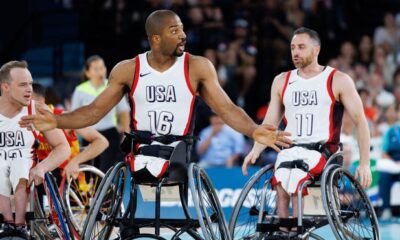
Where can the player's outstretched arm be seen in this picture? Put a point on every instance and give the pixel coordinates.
(120, 78)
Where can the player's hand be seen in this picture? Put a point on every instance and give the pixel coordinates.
(43, 120)
(72, 169)
(268, 135)
(36, 175)
(251, 158)
(363, 172)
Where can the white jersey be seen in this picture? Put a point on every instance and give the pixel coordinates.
(162, 102)
(16, 143)
(312, 113)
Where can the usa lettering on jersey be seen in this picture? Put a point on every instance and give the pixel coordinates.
(303, 98)
(160, 93)
(12, 139)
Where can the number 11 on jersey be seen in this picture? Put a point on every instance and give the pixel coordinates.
(304, 121)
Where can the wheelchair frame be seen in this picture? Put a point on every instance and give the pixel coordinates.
(267, 221)
(112, 190)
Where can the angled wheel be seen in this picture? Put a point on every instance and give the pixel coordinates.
(79, 193)
(349, 211)
(208, 208)
(58, 212)
(104, 213)
(256, 201)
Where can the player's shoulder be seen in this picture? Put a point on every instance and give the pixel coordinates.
(281, 77)
(125, 65)
(341, 76)
(196, 60)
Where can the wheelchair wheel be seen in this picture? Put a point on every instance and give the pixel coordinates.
(79, 193)
(208, 208)
(107, 208)
(58, 213)
(349, 211)
(246, 212)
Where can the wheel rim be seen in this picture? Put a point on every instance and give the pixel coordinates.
(107, 206)
(246, 211)
(79, 194)
(210, 215)
(352, 211)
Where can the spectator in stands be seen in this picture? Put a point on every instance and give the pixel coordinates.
(371, 112)
(396, 85)
(115, 122)
(219, 144)
(377, 90)
(346, 56)
(365, 49)
(391, 151)
(387, 35)
(383, 65)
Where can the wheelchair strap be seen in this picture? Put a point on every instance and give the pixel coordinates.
(320, 147)
(299, 163)
(310, 146)
(160, 151)
(147, 137)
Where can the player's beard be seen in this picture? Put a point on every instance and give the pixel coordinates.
(304, 62)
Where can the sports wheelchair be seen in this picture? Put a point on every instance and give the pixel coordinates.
(110, 217)
(344, 207)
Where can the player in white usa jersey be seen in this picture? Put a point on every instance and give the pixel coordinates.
(167, 42)
(311, 100)
(16, 153)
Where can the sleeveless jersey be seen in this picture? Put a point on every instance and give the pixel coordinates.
(44, 148)
(312, 113)
(16, 142)
(162, 102)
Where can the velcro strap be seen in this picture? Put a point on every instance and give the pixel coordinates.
(299, 163)
(147, 137)
(160, 151)
(309, 146)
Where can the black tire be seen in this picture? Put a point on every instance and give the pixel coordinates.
(208, 208)
(245, 214)
(349, 210)
(77, 198)
(107, 207)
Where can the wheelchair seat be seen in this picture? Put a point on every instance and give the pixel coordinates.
(177, 169)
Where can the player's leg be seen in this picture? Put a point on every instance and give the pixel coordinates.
(282, 201)
(19, 175)
(21, 201)
(5, 191)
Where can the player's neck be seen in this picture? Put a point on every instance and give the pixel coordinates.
(310, 70)
(160, 62)
(9, 108)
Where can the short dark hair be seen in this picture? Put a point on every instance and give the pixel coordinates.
(38, 89)
(7, 67)
(311, 33)
(155, 21)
